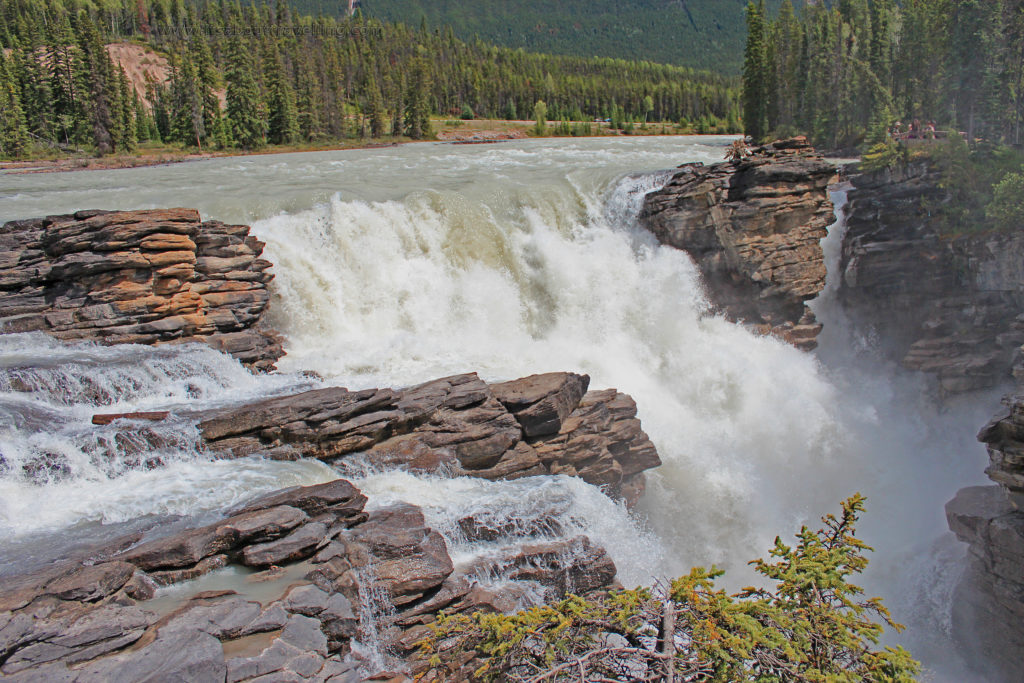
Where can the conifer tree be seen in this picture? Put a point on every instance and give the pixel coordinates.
(95, 73)
(129, 133)
(244, 110)
(417, 102)
(376, 107)
(34, 84)
(207, 83)
(755, 80)
(282, 117)
(69, 114)
(13, 130)
(308, 101)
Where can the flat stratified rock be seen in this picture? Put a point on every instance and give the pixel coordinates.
(541, 402)
(139, 277)
(543, 424)
(379, 578)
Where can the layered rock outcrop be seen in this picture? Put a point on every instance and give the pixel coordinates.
(141, 277)
(331, 573)
(754, 227)
(948, 305)
(989, 604)
(323, 587)
(542, 424)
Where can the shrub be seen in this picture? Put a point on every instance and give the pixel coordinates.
(1007, 206)
(811, 625)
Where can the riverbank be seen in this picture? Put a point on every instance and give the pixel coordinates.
(452, 131)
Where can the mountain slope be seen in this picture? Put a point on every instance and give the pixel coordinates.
(703, 34)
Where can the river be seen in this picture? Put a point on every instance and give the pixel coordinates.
(398, 265)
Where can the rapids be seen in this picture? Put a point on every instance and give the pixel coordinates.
(399, 265)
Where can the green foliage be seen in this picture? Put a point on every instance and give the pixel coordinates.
(540, 117)
(246, 124)
(1007, 205)
(417, 107)
(13, 131)
(331, 77)
(843, 71)
(702, 34)
(969, 178)
(886, 154)
(755, 74)
(810, 624)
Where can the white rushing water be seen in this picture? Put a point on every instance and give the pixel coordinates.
(400, 265)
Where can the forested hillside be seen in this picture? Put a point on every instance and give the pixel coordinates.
(283, 77)
(703, 34)
(845, 75)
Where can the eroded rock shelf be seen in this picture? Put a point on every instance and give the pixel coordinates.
(138, 277)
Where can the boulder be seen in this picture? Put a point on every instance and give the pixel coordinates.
(188, 548)
(406, 557)
(541, 402)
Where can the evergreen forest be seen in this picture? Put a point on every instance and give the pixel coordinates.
(846, 72)
(246, 76)
(703, 34)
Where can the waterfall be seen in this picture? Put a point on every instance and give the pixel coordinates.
(402, 265)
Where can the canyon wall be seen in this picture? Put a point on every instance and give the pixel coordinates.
(754, 227)
(948, 305)
(952, 305)
(988, 608)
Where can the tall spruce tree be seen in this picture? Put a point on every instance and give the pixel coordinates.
(96, 72)
(13, 130)
(417, 102)
(755, 74)
(244, 109)
(282, 116)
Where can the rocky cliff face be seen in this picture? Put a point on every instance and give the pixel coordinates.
(990, 519)
(328, 573)
(949, 306)
(140, 277)
(754, 227)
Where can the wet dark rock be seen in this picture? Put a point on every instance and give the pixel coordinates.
(297, 545)
(754, 228)
(141, 277)
(179, 656)
(541, 402)
(92, 583)
(89, 622)
(70, 632)
(947, 305)
(566, 566)
(203, 566)
(543, 424)
(601, 442)
(187, 549)
(339, 497)
(990, 594)
(406, 557)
